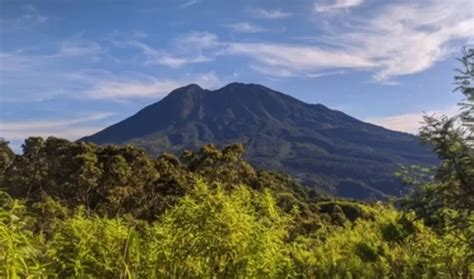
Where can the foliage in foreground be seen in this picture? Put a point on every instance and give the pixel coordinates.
(213, 233)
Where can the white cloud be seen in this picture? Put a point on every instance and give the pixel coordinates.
(44, 71)
(199, 40)
(333, 5)
(272, 71)
(188, 49)
(298, 57)
(73, 128)
(116, 89)
(161, 57)
(409, 38)
(245, 27)
(268, 14)
(77, 48)
(188, 3)
(14, 62)
(409, 122)
(176, 62)
(63, 50)
(29, 18)
(398, 39)
(324, 74)
(123, 88)
(278, 71)
(49, 75)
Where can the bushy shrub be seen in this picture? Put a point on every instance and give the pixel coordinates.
(393, 245)
(211, 233)
(21, 251)
(216, 233)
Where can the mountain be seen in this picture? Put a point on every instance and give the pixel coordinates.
(323, 148)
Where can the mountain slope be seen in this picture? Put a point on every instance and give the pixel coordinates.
(323, 148)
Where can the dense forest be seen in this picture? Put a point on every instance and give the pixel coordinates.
(76, 209)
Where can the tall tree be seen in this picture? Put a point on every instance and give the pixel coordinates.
(465, 82)
(446, 200)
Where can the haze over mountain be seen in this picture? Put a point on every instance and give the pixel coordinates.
(321, 147)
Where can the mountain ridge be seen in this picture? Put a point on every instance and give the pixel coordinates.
(323, 148)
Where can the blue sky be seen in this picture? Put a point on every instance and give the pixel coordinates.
(70, 68)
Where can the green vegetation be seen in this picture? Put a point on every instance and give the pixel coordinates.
(208, 214)
(78, 210)
(212, 232)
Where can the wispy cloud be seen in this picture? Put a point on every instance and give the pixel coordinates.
(62, 50)
(50, 75)
(199, 40)
(37, 75)
(28, 18)
(120, 88)
(278, 71)
(324, 74)
(334, 5)
(409, 122)
(188, 3)
(399, 39)
(32, 15)
(268, 14)
(78, 48)
(298, 57)
(272, 71)
(176, 62)
(162, 57)
(409, 38)
(125, 89)
(188, 49)
(245, 27)
(72, 128)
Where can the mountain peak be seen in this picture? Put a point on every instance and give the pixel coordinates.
(279, 131)
(186, 95)
(192, 86)
(235, 85)
(246, 88)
